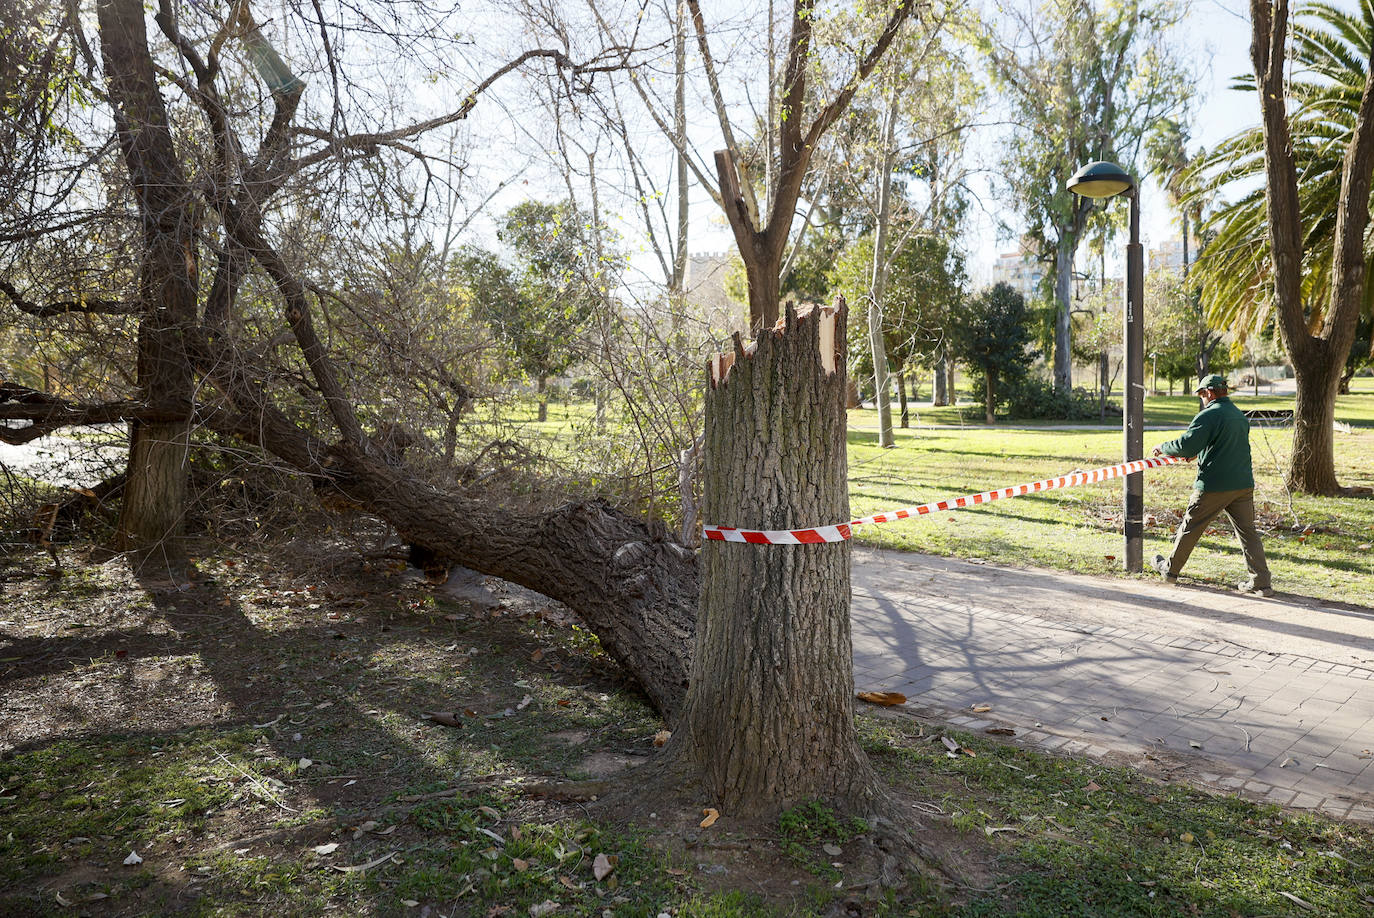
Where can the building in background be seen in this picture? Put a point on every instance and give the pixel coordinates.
(705, 296)
(1168, 257)
(1019, 270)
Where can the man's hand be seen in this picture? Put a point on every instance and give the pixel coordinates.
(1157, 451)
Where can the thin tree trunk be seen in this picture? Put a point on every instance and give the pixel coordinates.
(940, 385)
(1063, 289)
(990, 398)
(769, 719)
(901, 395)
(878, 284)
(541, 387)
(949, 380)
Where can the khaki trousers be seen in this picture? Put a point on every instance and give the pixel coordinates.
(1239, 507)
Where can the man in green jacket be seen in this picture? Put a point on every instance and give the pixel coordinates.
(1219, 437)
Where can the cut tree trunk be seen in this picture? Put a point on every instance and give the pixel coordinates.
(769, 719)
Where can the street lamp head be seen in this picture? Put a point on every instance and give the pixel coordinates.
(1100, 180)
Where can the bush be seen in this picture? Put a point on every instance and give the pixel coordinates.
(1032, 398)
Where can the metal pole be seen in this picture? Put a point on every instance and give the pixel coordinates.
(1133, 417)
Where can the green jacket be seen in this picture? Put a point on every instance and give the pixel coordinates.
(1219, 437)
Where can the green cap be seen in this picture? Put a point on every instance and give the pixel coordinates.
(1215, 381)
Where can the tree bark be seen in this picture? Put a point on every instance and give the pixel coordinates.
(940, 396)
(990, 398)
(154, 496)
(769, 719)
(541, 392)
(901, 399)
(1063, 300)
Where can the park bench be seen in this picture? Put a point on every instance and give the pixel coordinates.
(1270, 416)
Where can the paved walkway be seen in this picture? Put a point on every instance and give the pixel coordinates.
(1269, 698)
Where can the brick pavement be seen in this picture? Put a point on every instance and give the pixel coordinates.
(1269, 698)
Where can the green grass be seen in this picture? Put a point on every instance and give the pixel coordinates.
(1316, 546)
(1081, 839)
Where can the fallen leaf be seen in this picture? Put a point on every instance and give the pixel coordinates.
(327, 849)
(520, 865)
(133, 859)
(303, 764)
(387, 831)
(568, 883)
(673, 871)
(1092, 786)
(604, 866)
(364, 829)
(536, 656)
(410, 903)
(711, 817)
(515, 833)
(886, 699)
(489, 811)
(993, 830)
(981, 708)
(524, 703)
(543, 908)
(447, 718)
(61, 901)
(950, 744)
(1288, 761)
(968, 752)
(1195, 744)
(1186, 838)
(832, 850)
(662, 737)
(563, 702)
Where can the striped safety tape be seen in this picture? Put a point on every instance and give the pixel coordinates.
(842, 531)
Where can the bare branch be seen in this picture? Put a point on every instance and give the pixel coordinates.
(87, 305)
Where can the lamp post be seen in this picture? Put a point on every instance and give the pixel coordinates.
(1108, 180)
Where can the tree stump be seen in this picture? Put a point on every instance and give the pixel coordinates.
(769, 718)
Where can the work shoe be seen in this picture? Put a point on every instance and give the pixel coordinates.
(1161, 564)
(1248, 587)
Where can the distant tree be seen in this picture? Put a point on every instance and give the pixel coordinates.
(1083, 81)
(1175, 330)
(925, 281)
(541, 307)
(990, 335)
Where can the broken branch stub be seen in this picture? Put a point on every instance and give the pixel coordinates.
(808, 315)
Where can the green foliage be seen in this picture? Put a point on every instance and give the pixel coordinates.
(1029, 398)
(990, 334)
(1177, 332)
(1084, 82)
(540, 308)
(924, 284)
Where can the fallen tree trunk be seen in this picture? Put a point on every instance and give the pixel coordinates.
(634, 588)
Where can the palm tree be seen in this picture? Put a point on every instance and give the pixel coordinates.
(1330, 58)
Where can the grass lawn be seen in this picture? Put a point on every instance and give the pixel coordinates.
(258, 744)
(1316, 547)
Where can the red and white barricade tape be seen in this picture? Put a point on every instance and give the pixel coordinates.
(842, 531)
